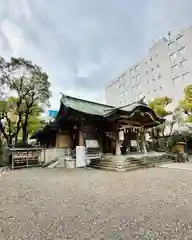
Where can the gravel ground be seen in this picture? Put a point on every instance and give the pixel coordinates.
(92, 204)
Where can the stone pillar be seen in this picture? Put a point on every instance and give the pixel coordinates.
(143, 142)
(117, 144)
(138, 142)
(81, 138)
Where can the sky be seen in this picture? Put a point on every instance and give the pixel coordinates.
(84, 44)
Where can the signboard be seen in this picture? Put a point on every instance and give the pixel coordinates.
(92, 143)
(133, 143)
(52, 113)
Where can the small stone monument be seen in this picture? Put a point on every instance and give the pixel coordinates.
(180, 150)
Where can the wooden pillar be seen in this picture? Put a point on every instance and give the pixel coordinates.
(101, 142)
(138, 142)
(81, 138)
(57, 140)
(106, 144)
(125, 139)
(143, 142)
(128, 142)
(117, 144)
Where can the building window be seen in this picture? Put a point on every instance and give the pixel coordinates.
(147, 72)
(153, 79)
(183, 65)
(154, 90)
(175, 78)
(119, 78)
(161, 87)
(171, 47)
(172, 56)
(135, 88)
(179, 39)
(174, 68)
(152, 69)
(156, 55)
(122, 85)
(137, 78)
(181, 51)
(145, 62)
(123, 74)
(186, 77)
(139, 87)
(133, 81)
(151, 59)
(122, 94)
(159, 76)
(158, 65)
(137, 68)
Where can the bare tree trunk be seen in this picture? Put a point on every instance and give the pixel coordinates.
(9, 141)
(24, 133)
(16, 139)
(18, 129)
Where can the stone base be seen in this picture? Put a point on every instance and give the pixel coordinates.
(132, 161)
(182, 157)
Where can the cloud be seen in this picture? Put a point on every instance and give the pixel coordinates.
(84, 44)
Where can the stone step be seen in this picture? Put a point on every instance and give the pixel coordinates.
(106, 161)
(130, 168)
(138, 162)
(112, 162)
(46, 164)
(126, 166)
(124, 163)
(113, 165)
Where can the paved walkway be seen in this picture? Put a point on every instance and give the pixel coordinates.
(182, 166)
(92, 204)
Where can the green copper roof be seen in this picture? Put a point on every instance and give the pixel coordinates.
(94, 108)
(85, 106)
(107, 111)
(99, 109)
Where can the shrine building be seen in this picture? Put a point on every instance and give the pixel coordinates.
(97, 126)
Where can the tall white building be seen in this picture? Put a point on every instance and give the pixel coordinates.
(164, 72)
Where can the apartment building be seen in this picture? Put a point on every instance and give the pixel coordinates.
(164, 72)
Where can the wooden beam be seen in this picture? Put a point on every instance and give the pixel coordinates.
(130, 126)
(129, 122)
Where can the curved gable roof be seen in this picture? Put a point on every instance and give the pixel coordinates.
(85, 106)
(103, 110)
